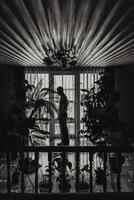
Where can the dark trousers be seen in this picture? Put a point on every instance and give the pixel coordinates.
(64, 129)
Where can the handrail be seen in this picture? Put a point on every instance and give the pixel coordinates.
(70, 149)
(106, 150)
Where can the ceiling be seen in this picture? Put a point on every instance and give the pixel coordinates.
(100, 31)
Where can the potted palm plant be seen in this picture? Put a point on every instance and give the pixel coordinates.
(100, 174)
(83, 184)
(56, 167)
(36, 105)
(38, 109)
(23, 117)
(64, 182)
(44, 185)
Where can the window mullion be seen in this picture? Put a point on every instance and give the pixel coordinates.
(51, 99)
(77, 108)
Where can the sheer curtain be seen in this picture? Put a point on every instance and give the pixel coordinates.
(71, 89)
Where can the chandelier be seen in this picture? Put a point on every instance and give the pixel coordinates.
(62, 57)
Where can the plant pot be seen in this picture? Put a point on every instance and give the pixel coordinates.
(44, 186)
(15, 177)
(67, 186)
(83, 186)
(114, 164)
(100, 174)
(29, 166)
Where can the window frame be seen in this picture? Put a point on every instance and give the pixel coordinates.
(76, 98)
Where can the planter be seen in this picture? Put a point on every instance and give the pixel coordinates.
(83, 187)
(67, 186)
(29, 166)
(44, 186)
(114, 164)
(100, 174)
(15, 177)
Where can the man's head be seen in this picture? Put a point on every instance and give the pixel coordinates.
(60, 90)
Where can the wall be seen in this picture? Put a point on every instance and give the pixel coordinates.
(8, 75)
(124, 81)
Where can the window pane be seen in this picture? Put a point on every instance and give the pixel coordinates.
(87, 81)
(39, 81)
(68, 84)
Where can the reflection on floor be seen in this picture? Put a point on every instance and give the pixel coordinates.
(127, 182)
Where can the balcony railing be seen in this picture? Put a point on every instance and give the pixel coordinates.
(106, 154)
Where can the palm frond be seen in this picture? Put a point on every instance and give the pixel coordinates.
(84, 90)
(40, 131)
(43, 119)
(43, 132)
(35, 143)
(36, 127)
(38, 137)
(37, 89)
(30, 139)
(45, 91)
(51, 108)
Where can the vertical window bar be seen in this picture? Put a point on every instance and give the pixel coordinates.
(8, 171)
(77, 108)
(51, 123)
(77, 171)
(91, 172)
(50, 170)
(22, 171)
(118, 171)
(105, 179)
(94, 77)
(36, 170)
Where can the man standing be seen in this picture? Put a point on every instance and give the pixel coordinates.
(62, 115)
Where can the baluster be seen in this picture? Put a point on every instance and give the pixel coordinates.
(50, 170)
(22, 171)
(133, 175)
(63, 170)
(105, 179)
(36, 170)
(77, 171)
(8, 171)
(91, 172)
(118, 171)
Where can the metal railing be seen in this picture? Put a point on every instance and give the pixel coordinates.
(106, 151)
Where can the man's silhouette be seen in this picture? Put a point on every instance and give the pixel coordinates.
(62, 115)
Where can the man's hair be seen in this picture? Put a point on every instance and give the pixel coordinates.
(60, 89)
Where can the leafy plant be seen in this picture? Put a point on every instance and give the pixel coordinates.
(38, 105)
(100, 176)
(57, 165)
(83, 185)
(100, 109)
(83, 171)
(28, 108)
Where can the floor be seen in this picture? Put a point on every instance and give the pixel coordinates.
(127, 173)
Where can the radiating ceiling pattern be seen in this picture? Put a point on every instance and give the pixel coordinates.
(99, 32)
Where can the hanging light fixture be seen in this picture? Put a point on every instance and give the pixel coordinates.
(61, 57)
